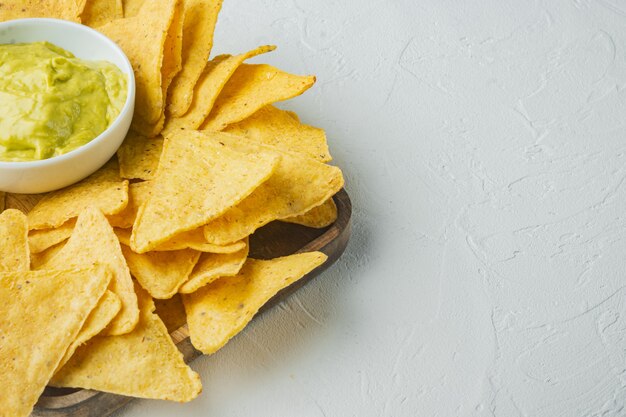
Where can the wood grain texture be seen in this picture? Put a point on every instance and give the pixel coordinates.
(273, 240)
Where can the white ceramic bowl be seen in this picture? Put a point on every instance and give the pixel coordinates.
(61, 171)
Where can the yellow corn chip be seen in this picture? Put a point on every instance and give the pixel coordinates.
(297, 185)
(107, 308)
(104, 189)
(193, 239)
(40, 315)
(276, 127)
(212, 266)
(161, 273)
(139, 156)
(249, 89)
(138, 194)
(318, 217)
(40, 240)
(144, 363)
(171, 312)
(100, 12)
(38, 260)
(218, 311)
(200, 20)
(142, 38)
(215, 75)
(198, 179)
(14, 252)
(93, 241)
(173, 50)
(132, 7)
(59, 9)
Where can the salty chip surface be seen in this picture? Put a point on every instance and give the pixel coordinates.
(14, 251)
(144, 363)
(40, 315)
(218, 311)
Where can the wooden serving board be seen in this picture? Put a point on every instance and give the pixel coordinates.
(273, 240)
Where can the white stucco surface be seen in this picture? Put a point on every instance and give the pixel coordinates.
(484, 148)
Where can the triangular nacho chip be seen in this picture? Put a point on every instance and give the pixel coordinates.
(297, 185)
(276, 127)
(161, 273)
(212, 266)
(40, 315)
(251, 88)
(14, 252)
(200, 20)
(193, 239)
(318, 217)
(142, 38)
(214, 77)
(107, 308)
(138, 193)
(94, 241)
(139, 156)
(214, 178)
(218, 311)
(38, 260)
(144, 363)
(59, 9)
(104, 189)
(40, 240)
(100, 12)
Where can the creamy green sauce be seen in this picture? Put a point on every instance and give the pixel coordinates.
(52, 102)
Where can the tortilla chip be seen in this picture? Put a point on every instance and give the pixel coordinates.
(40, 240)
(172, 312)
(107, 308)
(14, 252)
(59, 9)
(212, 266)
(139, 156)
(193, 239)
(251, 88)
(198, 179)
(40, 315)
(161, 273)
(297, 185)
(132, 7)
(93, 241)
(104, 189)
(138, 194)
(218, 311)
(276, 127)
(144, 363)
(214, 77)
(38, 260)
(100, 12)
(200, 20)
(173, 50)
(143, 38)
(318, 217)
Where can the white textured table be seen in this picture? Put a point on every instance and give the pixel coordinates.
(484, 145)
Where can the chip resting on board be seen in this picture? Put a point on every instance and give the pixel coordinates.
(220, 310)
(276, 127)
(194, 239)
(161, 273)
(94, 241)
(318, 217)
(41, 313)
(40, 240)
(297, 185)
(251, 88)
(214, 77)
(171, 312)
(138, 194)
(198, 180)
(139, 156)
(14, 251)
(59, 9)
(144, 363)
(104, 189)
(199, 25)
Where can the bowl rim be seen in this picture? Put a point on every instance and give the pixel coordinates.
(128, 105)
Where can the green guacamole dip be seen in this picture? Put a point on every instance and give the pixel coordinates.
(52, 102)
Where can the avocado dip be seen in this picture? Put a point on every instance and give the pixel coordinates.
(52, 102)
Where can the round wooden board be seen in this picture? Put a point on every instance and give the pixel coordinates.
(274, 240)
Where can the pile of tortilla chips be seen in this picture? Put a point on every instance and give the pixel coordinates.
(208, 161)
